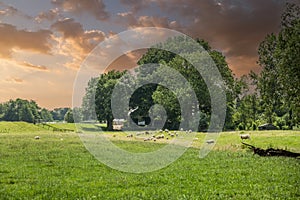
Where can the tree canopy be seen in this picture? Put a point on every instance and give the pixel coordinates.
(24, 110)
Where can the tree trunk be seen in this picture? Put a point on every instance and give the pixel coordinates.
(109, 124)
(290, 122)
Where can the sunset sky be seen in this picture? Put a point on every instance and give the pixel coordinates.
(43, 42)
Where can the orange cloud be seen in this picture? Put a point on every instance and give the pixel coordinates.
(126, 61)
(38, 41)
(242, 65)
(14, 80)
(30, 65)
(75, 41)
(146, 21)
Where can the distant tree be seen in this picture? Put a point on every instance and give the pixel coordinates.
(78, 113)
(69, 116)
(26, 114)
(20, 110)
(88, 101)
(11, 113)
(2, 110)
(46, 115)
(58, 114)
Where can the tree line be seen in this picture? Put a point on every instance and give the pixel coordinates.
(29, 111)
(271, 96)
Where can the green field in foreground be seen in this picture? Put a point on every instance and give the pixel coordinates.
(57, 166)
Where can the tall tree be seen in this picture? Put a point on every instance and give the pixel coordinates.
(279, 80)
(104, 90)
(88, 101)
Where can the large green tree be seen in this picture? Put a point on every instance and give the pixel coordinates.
(279, 80)
(104, 90)
(156, 94)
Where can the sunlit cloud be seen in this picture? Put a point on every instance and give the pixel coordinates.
(11, 38)
(74, 41)
(96, 8)
(37, 67)
(50, 15)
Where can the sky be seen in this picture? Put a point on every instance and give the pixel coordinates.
(44, 42)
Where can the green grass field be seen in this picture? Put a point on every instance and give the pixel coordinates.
(57, 166)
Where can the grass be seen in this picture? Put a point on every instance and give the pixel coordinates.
(59, 167)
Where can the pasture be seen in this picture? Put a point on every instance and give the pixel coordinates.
(57, 166)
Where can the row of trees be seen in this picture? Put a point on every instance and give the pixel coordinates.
(271, 96)
(276, 95)
(29, 111)
(145, 97)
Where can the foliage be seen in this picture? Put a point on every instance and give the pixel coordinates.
(88, 101)
(23, 110)
(279, 81)
(58, 114)
(157, 94)
(104, 91)
(69, 116)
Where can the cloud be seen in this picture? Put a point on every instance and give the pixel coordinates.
(14, 80)
(50, 15)
(95, 8)
(75, 41)
(11, 38)
(37, 67)
(126, 61)
(234, 27)
(136, 6)
(8, 10)
(132, 21)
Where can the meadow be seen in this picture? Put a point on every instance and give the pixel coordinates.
(57, 166)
